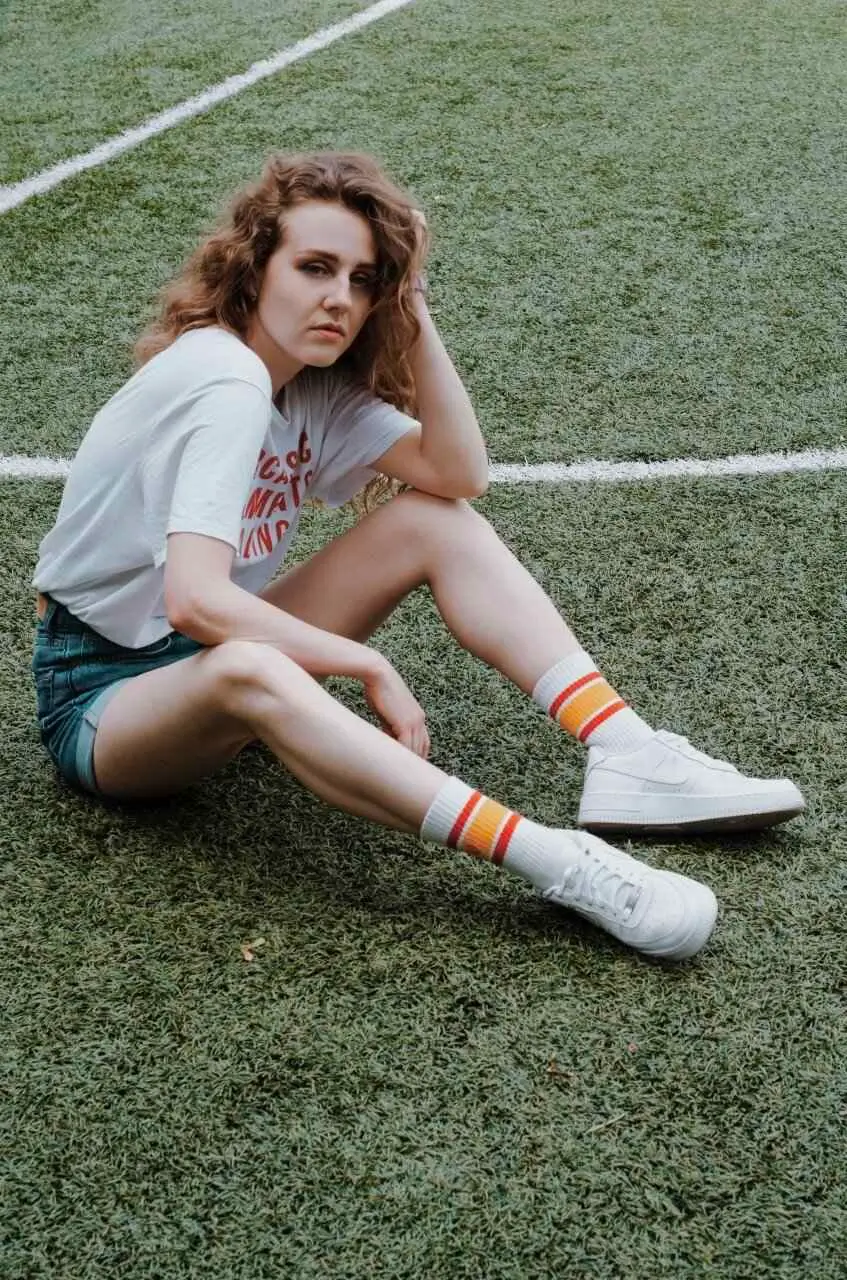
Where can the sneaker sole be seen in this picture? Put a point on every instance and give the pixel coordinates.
(694, 823)
(744, 816)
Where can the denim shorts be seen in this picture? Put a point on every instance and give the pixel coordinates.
(77, 672)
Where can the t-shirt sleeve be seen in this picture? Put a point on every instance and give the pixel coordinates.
(359, 429)
(196, 474)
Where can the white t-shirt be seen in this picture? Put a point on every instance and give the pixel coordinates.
(193, 443)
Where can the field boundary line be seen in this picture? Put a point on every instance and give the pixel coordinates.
(737, 464)
(17, 193)
(22, 467)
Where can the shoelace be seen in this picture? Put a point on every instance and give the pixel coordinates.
(682, 744)
(592, 883)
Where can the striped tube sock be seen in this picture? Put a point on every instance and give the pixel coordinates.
(576, 696)
(462, 818)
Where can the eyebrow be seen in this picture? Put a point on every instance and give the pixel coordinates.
(331, 257)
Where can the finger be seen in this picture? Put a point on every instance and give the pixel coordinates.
(423, 742)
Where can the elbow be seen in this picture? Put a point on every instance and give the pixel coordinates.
(469, 483)
(481, 488)
(184, 620)
(477, 485)
(177, 609)
(456, 489)
(191, 618)
(461, 490)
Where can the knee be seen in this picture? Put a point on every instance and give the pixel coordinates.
(425, 516)
(245, 672)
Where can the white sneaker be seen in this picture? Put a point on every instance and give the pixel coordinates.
(657, 912)
(667, 784)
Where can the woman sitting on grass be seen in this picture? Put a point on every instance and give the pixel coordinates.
(287, 361)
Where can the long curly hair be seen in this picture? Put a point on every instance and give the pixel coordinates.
(220, 282)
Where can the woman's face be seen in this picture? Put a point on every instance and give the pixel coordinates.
(318, 288)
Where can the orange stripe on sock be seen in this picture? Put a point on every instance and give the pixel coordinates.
(586, 704)
(571, 690)
(588, 729)
(459, 825)
(479, 837)
(502, 845)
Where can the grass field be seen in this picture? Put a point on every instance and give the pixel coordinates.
(638, 215)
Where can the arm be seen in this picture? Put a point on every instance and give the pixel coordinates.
(446, 456)
(202, 602)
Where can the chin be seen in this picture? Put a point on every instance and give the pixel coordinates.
(322, 358)
(323, 361)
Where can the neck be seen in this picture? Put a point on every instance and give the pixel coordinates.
(278, 363)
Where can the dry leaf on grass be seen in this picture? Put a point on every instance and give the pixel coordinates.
(248, 949)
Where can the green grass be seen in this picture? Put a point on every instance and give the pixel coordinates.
(638, 229)
(81, 72)
(426, 1071)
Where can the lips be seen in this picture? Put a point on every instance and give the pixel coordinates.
(328, 328)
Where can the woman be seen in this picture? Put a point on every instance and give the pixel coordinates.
(287, 360)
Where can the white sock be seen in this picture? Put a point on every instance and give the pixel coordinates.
(577, 697)
(462, 818)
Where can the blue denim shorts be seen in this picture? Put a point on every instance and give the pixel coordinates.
(77, 672)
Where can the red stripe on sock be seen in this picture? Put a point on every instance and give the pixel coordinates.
(504, 837)
(460, 823)
(571, 690)
(589, 728)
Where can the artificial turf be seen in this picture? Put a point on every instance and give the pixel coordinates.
(423, 1070)
(637, 216)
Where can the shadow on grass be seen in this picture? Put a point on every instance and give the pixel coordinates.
(254, 839)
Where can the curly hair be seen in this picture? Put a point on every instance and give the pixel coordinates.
(220, 283)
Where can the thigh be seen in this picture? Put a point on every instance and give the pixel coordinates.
(164, 730)
(352, 584)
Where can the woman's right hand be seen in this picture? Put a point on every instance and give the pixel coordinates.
(398, 710)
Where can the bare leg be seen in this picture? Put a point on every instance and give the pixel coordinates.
(162, 728)
(495, 609)
(168, 728)
(489, 601)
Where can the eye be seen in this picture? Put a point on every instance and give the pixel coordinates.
(363, 280)
(314, 268)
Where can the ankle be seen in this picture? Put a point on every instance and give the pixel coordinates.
(468, 821)
(582, 702)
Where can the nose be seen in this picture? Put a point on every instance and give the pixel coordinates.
(339, 296)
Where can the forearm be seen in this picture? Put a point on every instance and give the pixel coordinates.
(227, 612)
(450, 435)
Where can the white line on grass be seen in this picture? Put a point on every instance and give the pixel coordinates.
(17, 466)
(21, 467)
(739, 464)
(15, 194)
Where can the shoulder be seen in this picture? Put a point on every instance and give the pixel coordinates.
(208, 357)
